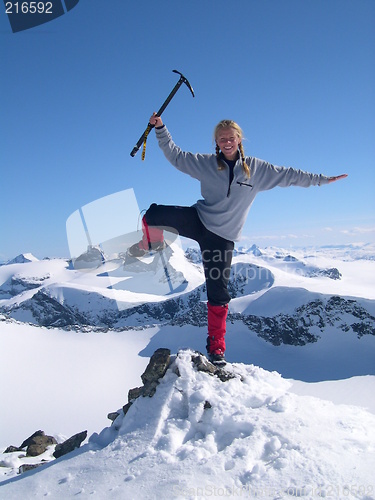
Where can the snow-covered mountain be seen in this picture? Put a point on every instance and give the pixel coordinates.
(276, 291)
(324, 300)
(73, 342)
(23, 258)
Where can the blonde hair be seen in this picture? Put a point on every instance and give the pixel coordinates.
(230, 124)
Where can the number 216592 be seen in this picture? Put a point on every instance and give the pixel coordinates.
(28, 7)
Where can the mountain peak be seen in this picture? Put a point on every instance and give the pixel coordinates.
(237, 427)
(203, 432)
(23, 258)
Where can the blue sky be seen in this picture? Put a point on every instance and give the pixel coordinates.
(77, 92)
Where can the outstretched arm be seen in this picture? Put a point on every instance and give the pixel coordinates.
(337, 178)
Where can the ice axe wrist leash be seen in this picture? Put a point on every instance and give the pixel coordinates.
(143, 138)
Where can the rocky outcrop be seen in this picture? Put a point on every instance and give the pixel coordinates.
(159, 363)
(155, 370)
(70, 444)
(202, 364)
(39, 443)
(35, 445)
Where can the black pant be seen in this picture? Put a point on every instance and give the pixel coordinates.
(216, 251)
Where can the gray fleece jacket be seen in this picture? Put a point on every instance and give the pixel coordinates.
(224, 207)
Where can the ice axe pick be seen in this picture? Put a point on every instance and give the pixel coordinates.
(143, 138)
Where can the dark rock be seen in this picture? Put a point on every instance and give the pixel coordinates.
(126, 407)
(113, 415)
(40, 445)
(37, 443)
(224, 375)
(157, 365)
(149, 389)
(202, 364)
(134, 393)
(155, 370)
(70, 444)
(30, 440)
(27, 467)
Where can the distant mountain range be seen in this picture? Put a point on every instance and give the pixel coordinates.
(270, 289)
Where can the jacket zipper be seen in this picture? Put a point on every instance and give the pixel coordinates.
(241, 184)
(229, 182)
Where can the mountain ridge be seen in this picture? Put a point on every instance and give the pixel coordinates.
(34, 299)
(278, 317)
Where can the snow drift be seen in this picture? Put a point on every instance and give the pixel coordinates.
(202, 435)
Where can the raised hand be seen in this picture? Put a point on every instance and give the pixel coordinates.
(156, 120)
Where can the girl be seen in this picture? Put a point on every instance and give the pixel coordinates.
(229, 183)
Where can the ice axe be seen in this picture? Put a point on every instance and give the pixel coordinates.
(143, 138)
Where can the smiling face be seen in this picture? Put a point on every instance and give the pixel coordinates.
(228, 140)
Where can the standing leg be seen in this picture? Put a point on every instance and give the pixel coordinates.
(217, 259)
(216, 320)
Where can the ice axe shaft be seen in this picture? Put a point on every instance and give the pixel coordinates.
(164, 105)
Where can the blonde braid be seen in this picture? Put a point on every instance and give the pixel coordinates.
(220, 163)
(244, 164)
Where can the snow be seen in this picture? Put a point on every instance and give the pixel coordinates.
(358, 391)
(255, 436)
(296, 421)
